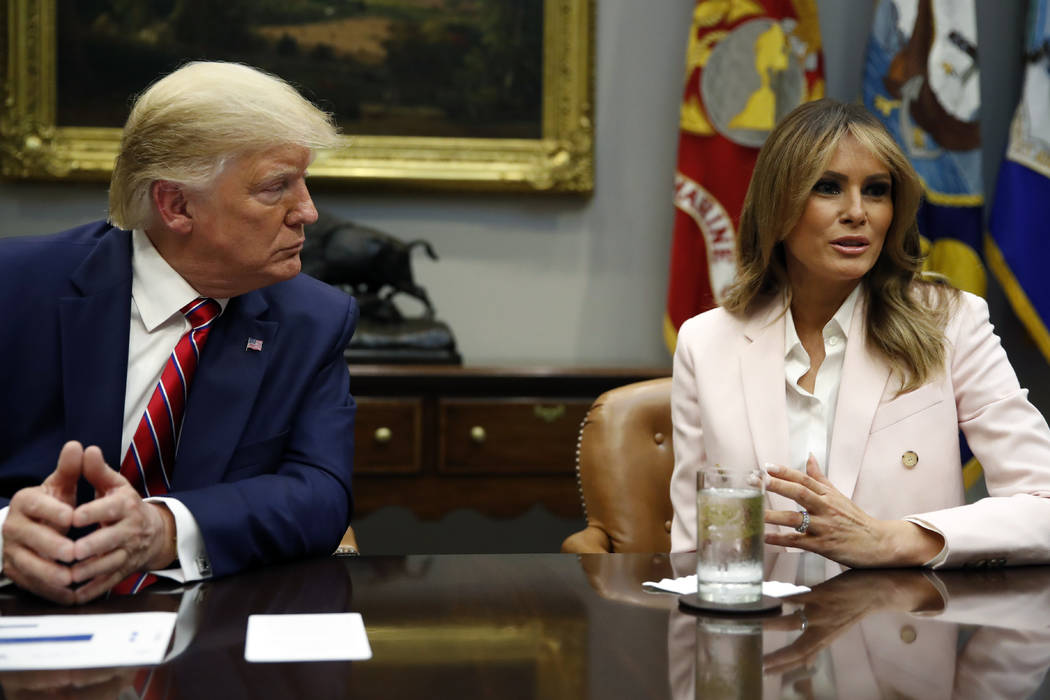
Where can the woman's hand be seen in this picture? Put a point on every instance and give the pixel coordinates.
(838, 529)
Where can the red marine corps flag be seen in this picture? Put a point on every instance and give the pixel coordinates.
(749, 63)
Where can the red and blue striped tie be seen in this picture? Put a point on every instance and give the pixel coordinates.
(150, 460)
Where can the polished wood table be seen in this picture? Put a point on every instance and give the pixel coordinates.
(565, 626)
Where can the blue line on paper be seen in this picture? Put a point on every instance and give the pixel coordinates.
(59, 638)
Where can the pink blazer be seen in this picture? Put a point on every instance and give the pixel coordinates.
(728, 407)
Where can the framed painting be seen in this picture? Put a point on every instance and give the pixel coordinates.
(436, 94)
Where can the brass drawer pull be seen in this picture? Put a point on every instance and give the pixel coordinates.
(477, 434)
(549, 413)
(383, 435)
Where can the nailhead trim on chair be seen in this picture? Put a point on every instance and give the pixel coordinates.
(579, 481)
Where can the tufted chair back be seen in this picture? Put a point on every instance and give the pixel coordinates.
(624, 460)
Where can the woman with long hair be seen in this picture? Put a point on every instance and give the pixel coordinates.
(836, 365)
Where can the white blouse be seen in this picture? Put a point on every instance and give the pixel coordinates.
(811, 416)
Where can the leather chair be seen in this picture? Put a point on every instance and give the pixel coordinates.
(624, 461)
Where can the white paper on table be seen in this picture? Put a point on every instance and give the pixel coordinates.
(315, 637)
(687, 584)
(84, 641)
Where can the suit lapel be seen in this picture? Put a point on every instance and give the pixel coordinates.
(94, 330)
(762, 372)
(864, 377)
(223, 392)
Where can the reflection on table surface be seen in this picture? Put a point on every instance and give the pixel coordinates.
(891, 633)
(566, 626)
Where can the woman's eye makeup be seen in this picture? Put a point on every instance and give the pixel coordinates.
(826, 187)
(878, 189)
(873, 189)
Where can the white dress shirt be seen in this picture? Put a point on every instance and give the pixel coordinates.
(811, 416)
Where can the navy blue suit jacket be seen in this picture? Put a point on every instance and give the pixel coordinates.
(265, 458)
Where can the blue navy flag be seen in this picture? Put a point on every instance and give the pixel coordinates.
(921, 79)
(1018, 247)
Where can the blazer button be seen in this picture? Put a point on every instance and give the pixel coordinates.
(908, 634)
(909, 459)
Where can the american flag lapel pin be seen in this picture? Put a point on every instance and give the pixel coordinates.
(253, 344)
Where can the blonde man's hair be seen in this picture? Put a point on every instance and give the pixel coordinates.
(906, 315)
(186, 126)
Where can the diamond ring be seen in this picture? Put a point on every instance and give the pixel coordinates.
(801, 529)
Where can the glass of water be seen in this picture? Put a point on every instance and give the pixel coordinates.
(730, 511)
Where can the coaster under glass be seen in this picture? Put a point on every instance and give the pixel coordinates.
(692, 602)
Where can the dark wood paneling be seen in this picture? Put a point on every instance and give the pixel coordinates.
(430, 497)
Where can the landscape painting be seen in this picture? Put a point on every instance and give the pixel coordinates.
(448, 68)
(479, 95)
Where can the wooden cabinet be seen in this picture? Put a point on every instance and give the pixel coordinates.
(497, 440)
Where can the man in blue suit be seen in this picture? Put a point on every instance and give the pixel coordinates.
(208, 204)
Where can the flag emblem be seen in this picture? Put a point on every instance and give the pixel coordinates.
(253, 344)
(748, 63)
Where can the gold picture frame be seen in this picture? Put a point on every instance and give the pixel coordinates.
(34, 147)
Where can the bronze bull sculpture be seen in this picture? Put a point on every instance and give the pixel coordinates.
(371, 265)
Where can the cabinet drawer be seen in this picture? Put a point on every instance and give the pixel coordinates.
(388, 436)
(509, 436)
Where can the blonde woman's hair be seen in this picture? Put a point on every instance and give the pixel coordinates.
(906, 314)
(186, 126)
